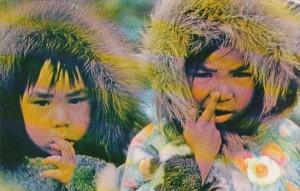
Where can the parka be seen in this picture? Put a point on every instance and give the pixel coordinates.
(266, 33)
(74, 34)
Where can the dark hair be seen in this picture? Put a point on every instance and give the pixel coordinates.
(14, 141)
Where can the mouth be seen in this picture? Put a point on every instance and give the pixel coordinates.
(222, 116)
(222, 112)
(52, 151)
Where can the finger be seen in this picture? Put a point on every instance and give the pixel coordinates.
(55, 147)
(213, 119)
(55, 174)
(210, 108)
(55, 150)
(67, 150)
(190, 119)
(55, 160)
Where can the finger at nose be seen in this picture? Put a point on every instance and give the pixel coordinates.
(213, 118)
(225, 97)
(225, 91)
(210, 108)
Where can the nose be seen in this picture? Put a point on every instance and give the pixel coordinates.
(225, 91)
(60, 117)
(225, 96)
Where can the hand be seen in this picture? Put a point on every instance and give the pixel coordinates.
(203, 137)
(65, 162)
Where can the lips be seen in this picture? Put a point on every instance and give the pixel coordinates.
(222, 116)
(222, 112)
(52, 151)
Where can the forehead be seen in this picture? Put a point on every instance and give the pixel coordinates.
(224, 59)
(63, 79)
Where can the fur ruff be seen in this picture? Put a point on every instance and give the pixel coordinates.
(67, 27)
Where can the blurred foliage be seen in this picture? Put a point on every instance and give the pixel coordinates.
(129, 14)
(4, 4)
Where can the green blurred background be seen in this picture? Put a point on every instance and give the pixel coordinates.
(130, 15)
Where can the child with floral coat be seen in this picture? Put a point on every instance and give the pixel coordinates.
(224, 80)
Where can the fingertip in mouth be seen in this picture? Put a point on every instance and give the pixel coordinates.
(53, 149)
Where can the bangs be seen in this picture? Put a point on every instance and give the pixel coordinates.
(66, 67)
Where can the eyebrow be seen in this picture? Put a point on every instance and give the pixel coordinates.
(49, 95)
(76, 93)
(42, 95)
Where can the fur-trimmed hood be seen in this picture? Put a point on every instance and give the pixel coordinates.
(71, 28)
(265, 32)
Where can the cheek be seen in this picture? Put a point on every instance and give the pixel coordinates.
(244, 92)
(34, 115)
(80, 119)
(200, 89)
(38, 136)
(36, 124)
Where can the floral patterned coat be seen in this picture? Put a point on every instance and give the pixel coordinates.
(159, 159)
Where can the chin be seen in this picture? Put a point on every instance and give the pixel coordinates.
(219, 119)
(239, 124)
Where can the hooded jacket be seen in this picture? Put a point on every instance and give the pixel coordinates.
(65, 28)
(266, 33)
(71, 31)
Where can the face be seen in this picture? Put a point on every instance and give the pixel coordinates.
(60, 112)
(223, 71)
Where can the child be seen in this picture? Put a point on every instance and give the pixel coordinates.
(67, 96)
(224, 79)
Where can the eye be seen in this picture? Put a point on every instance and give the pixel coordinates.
(241, 74)
(77, 100)
(41, 103)
(203, 74)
